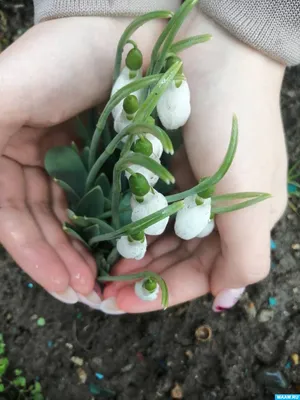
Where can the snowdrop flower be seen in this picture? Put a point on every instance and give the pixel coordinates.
(131, 248)
(156, 146)
(192, 218)
(152, 202)
(208, 229)
(129, 109)
(151, 177)
(174, 105)
(130, 73)
(147, 289)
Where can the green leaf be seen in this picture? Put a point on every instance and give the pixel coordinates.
(181, 45)
(72, 197)
(92, 204)
(81, 130)
(69, 229)
(103, 182)
(239, 206)
(85, 157)
(20, 381)
(2, 388)
(38, 396)
(91, 231)
(37, 388)
(18, 372)
(125, 216)
(64, 164)
(4, 363)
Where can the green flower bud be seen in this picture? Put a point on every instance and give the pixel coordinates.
(172, 60)
(150, 285)
(131, 104)
(140, 237)
(139, 185)
(143, 146)
(134, 59)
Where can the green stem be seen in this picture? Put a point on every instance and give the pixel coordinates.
(132, 27)
(235, 207)
(114, 100)
(144, 223)
(115, 197)
(142, 275)
(236, 196)
(181, 45)
(177, 20)
(108, 214)
(213, 180)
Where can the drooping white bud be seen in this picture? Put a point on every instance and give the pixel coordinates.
(143, 293)
(151, 177)
(152, 202)
(123, 80)
(192, 218)
(120, 123)
(156, 145)
(208, 229)
(131, 249)
(174, 106)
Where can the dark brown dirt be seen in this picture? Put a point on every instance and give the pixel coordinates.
(143, 357)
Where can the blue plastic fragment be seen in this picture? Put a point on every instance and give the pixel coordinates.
(95, 389)
(99, 376)
(50, 344)
(273, 245)
(292, 188)
(30, 285)
(288, 365)
(272, 301)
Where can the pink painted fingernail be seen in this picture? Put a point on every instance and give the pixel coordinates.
(226, 299)
(69, 296)
(92, 300)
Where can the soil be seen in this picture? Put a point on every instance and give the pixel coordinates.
(145, 357)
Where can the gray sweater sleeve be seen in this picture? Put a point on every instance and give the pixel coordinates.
(271, 26)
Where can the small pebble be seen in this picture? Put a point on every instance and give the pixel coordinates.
(296, 246)
(295, 358)
(265, 315)
(41, 321)
(295, 290)
(127, 368)
(203, 333)
(34, 317)
(69, 346)
(77, 361)
(140, 356)
(273, 245)
(272, 301)
(189, 354)
(176, 392)
(82, 375)
(250, 309)
(99, 376)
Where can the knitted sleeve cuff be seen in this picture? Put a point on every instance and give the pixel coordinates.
(270, 26)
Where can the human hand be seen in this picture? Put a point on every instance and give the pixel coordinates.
(55, 71)
(224, 76)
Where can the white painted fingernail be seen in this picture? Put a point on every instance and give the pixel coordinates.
(109, 306)
(69, 296)
(226, 299)
(92, 300)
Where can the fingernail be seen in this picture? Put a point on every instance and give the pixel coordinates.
(69, 296)
(109, 306)
(92, 300)
(227, 299)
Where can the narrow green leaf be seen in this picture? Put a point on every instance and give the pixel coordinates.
(104, 183)
(239, 206)
(149, 163)
(69, 229)
(85, 157)
(90, 232)
(81, 130)
(181, 45)
(64, 164)
(92, 204)
(72, 197)
(132, 27)
(237, 196)
(125, 216)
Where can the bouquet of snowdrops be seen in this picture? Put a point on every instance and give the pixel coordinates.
(118, 185)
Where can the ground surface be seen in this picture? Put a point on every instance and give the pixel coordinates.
(143, 357)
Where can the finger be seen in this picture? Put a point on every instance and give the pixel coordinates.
(159, 256)
(38, 200)
(21, 236)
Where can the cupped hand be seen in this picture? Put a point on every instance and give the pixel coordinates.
(55, 71)
(225, 77)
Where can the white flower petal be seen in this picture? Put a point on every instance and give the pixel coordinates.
(135, 249)
(123, 80)
(149, 175)
(143, 293)
(120, 123)
(174, 106)
(192, 219)
(208, 229)
(151, 204)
